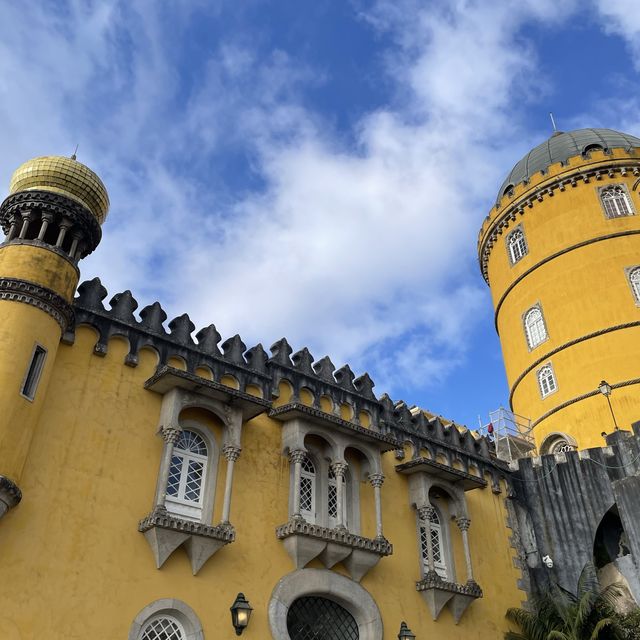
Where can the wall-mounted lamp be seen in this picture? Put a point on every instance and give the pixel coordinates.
(405, 633)
(605, 389)
(240, 613)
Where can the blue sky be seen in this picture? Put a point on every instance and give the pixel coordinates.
(315, 170)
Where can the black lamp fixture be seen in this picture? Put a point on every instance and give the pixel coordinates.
(405, 633)
(605, 389)
(240, 613)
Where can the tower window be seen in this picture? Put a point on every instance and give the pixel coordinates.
(616, 202)
(634, 281)
(32, 378)
(516, 245)
(546, 381)
(186, 475)
(534, 327)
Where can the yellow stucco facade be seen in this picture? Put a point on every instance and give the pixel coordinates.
(86, 468)
(575, 269)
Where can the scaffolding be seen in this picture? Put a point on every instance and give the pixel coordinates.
(511, 434)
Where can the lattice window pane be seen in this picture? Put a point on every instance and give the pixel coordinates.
(307, 465)
(306, 494)
(616, 203)
(163, 629)
(332, 503)
(193, 481)
(315, 618)
(175, 470)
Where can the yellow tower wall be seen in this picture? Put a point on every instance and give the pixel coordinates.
(73, 543)
(575, 271)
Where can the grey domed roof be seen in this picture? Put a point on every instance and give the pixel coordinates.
(562, 146)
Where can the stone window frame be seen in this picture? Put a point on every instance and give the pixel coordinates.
(328, 584)
(446, 509)
(321, 492)
(208, 487)
(557, 442)
(38, 350)
(546, 365)
(171, 608)
(507, 240)
(527, 335)
(635, 292)
(626, 194)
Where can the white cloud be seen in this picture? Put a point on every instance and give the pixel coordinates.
(359, 246)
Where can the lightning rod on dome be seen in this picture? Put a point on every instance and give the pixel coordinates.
(75, 151)
(553, 123)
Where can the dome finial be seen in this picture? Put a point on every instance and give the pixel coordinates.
(75, 151)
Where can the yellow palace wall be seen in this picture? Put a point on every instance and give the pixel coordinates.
(581, 290)
(72, 543)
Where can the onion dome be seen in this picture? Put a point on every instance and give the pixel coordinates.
(562, 146)
(65, 176)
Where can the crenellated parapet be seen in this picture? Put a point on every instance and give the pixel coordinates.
(333, 395)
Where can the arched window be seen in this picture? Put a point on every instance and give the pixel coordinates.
(558, 443)
(187, 475)
(433, 529)
(616, 202)
(308, 490)
(634, 280)
(546, 381)
(312, 617)
(163, 627)
(516, 245)
(332, 499)
(534, 327)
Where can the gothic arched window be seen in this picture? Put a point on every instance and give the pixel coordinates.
(634, 280)
(308, 490)
(534, 327)
(163, 627)
(516, 245)
(433, 529)
(546, 380)
(187, 475)
(616, 202)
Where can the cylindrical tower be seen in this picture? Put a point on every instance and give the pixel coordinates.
(51, 220)
(561, 253)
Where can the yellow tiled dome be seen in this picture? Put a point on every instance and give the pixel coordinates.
(65, 176)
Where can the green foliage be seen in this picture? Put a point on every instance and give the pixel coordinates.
(630, 625)
(587, 614)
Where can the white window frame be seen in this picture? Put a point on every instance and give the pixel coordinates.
(179, 505)
(312, 477)
(633, 278)
(616, 206)
(426, 528)
(546, 390)
(535, 332)
(520, 244)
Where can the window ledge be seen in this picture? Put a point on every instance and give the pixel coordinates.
(166, 532)
(305, 541)
(438, 592)
(441, 471)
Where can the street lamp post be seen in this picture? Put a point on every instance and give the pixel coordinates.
(605, 389)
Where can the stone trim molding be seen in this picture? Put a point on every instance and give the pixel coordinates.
(10, 495)
(304, 541)
(328, 584)
(566, 345)
(171, 607)
(166, 532)
(564, 405)
(490, 230)
(438, 592)
(579, 245)
(41, 297)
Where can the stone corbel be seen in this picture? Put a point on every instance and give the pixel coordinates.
(10, 495)
(437, 593)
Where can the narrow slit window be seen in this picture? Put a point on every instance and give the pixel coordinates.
(34, 372)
